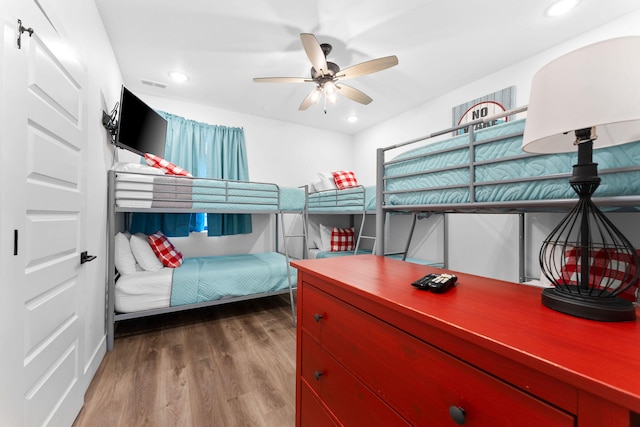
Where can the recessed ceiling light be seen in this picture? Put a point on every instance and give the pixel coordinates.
(561, 7)
(352, 119)
(178, 76)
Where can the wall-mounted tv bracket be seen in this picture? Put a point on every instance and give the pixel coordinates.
(110, 122)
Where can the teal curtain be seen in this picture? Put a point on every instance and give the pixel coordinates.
(206, 151)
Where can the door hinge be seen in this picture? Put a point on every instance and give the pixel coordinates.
(15, 242)
(21, 30)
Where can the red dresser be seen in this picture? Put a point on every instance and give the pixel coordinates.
(374, 351)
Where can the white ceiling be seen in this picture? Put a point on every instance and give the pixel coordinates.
(222, 45)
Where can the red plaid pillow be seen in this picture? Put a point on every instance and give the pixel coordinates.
(342, 239)
(344, 179)
(609, 264)
(164, 250)
(164, 165)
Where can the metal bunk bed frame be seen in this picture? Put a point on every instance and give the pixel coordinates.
(622, 203)
(351, 201)
(112, 276)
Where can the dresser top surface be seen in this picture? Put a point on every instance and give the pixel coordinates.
(503, 317)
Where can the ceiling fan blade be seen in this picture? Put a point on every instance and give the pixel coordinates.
(311, 99)
(314, 52)
(354, 94)
(281, 80)
(368, 67)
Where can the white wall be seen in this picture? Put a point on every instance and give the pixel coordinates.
(282, 153)
(279, 152)
(484, 244)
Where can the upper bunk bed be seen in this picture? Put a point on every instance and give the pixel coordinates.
(194, 282)
(138, 188)
(484, 170)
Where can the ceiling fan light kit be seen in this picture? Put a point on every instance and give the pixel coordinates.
(326, 74)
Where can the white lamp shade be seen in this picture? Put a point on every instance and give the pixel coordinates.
(597, 85)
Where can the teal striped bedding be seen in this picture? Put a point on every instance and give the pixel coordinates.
(204, 279)
(140, 190)
(340, 201)
(241, 195)
(496, 162)
(327, 254)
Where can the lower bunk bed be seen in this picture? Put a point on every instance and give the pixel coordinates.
(483, 169)
(202, 281)
(328, 235)
(152, 282)
(322, 207)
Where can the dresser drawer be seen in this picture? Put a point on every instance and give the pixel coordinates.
(312, 414)
(350, 401)
(421, 382)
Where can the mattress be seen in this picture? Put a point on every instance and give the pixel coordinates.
(144, 290)
(203, 279)
(144, 190)
(441, 172)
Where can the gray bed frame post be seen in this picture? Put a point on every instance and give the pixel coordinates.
(380, 216)
(111, 269)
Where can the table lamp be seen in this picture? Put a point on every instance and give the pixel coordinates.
(588, 97)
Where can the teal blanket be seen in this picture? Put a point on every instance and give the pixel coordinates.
(498, 165)
(211, 278)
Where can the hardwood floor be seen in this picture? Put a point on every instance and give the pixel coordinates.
(229, 365)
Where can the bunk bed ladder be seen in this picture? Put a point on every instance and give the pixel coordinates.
(414, 217)
(363, 236)
(286, 237)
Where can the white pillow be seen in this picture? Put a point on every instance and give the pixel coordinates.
(143, 253)
(138, 168)
(325, 238)
(313, 239)
(326, 181)
(124, 260)
(314, 187)
(324, 185)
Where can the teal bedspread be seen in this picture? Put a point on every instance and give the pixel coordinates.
(341, 201)
(211, 278)
(496, 164)
(327, 254)
(245, 196)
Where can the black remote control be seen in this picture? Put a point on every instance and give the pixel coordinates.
(436, 283)
(423, 282)
(442, 283)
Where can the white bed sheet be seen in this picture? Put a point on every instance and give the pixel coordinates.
(144, 290)
(135, 189)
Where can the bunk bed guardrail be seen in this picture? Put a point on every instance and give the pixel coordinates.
(487, 171)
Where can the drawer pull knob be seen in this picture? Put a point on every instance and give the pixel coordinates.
(317, 317)
(317, 375)
(457, 414)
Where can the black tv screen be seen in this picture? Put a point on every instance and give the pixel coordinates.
(140, 129)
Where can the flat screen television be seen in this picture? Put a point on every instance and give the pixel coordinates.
(140, 129)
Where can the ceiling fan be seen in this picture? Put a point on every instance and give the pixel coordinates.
(326, 74)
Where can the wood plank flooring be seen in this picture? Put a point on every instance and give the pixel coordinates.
(229, 365)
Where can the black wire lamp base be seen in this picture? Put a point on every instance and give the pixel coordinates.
(604, 263)
(606, 309)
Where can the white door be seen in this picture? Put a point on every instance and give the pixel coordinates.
(42, 190)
